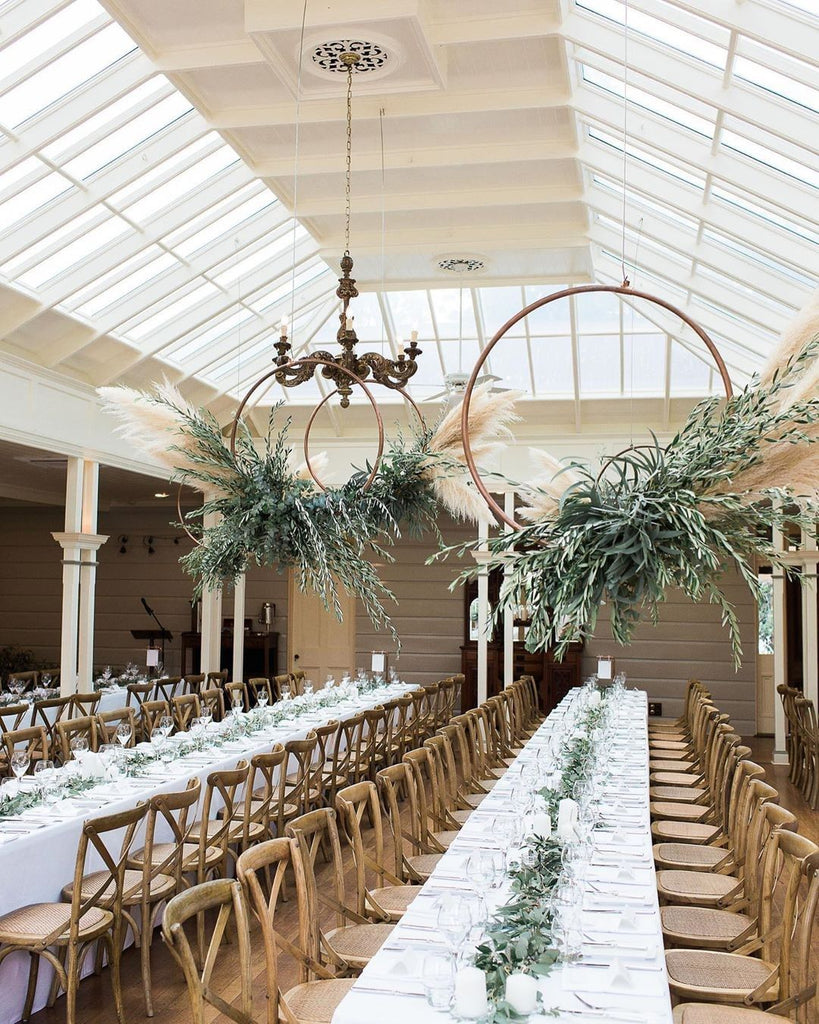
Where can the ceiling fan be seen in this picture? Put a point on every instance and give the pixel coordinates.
(455, 382)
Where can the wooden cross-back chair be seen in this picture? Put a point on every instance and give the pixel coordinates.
(324, 780)
(280, 682)
(150, 712)
(193, 683)
(413, 859)
(261, 872)
(184, 709)
(681, 725)
(457, 773)
(350, 944)
(63, 933)
(449, 811)
(213, 699)
(788, 695)
(399, 728)
(138, 693)
(33, 739)
(225, 897)
(166, 689)
(47, 713)
(472, 779)
(109, 721)
(415, 724)
(66, 731)
(257, 685)
(380, 894)
(781, 978)
(807, 776)
(264, 807)
(434, 836)
(84, 704)
(236, 695)
(352, 741)
(299, 784)
(28, 680)
(12, 716)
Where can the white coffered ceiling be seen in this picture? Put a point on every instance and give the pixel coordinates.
(163, 204)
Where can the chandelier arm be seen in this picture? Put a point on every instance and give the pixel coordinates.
(496, 510)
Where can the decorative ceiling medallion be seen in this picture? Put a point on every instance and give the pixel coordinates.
(327, 56)
(461, 264)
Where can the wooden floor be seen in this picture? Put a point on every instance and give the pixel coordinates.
(170, 997)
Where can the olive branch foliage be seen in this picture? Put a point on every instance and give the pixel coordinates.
(659, 517)
(261, 510)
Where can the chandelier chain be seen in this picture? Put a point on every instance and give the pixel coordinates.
(348, 177)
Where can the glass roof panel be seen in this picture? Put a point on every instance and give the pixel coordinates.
(454, 312)
(497, 306)
(771, 216)
(61, 76)
(597, 311)
(644, 363)
(599, 364)
(237, 211)
(781, 85)
(223, 327)
(177, 306)
(554, 317)
(164, 262)
(553, 364)
(644, 156)
(157, 174)
(49, 33)
(89, 242)
(768, 156)
(181, 185)
(33, 197)
(410, 312)
(689, 373)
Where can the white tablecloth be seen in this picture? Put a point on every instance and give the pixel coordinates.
(34, 867)
(620, 907)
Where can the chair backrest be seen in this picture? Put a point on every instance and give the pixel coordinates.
(84, 704)
(396, 786)
(766, 816)
(312, 832)
(185, 708)
(28, 679)
(166, 689)
(12, 715)
(174, 813)
(226, 897)
(50, 711)
(193, 683)
(216, 678)
(66, 731)
(138, 693)
(324, 760)
(352, 803)
(257, 685)
(261, 871)
(353, 747)
(150, 712)
(425, 780)
(109, 721)
(222, 792)
(215, 700)
(298, 791)
(33, 739)
(297, 682)
(281, 681)
(264, 793)
(236, 692)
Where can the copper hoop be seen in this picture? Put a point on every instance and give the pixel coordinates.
(623, 289)
(182, 522)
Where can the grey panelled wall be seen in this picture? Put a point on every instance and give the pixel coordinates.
(689, 640)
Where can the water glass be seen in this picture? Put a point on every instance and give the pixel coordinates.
(44, 778)
(20, 760)
(79, 747)
(308, 687)
(438, 980)
(261, 699)
(454, 919)
(124, 733)
(165, 725)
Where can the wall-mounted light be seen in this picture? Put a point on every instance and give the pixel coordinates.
(149, 544)
(161, 494)
(122, 540)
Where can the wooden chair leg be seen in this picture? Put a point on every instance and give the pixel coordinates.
(54, 991)
(33, 972)
(114, 943)
(145, 937)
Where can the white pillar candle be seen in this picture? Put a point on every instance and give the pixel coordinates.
(470, 993)
(541, 825)
(566, 820)
(594, 698)
(521, 993)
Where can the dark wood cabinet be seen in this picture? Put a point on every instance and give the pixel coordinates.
(554, 678)
(261, 653)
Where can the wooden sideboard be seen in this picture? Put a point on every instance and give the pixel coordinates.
(553, 678)
(261, 653)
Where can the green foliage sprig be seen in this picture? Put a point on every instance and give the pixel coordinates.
(665, 517)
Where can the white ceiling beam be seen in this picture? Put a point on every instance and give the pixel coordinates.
(789, 31)
(506, 25)
(23, 17)
(764, 186)
(543, 233)
(780, 246)
(691, 78)
(231, 53)
(544, 95)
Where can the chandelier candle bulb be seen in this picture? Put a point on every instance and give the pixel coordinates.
(470, 993)
(521, 993)
(283, 327)
(413, 336)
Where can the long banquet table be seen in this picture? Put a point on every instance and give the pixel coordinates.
(34, 866)
(621, 973)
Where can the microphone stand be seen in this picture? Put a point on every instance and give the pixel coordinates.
(151, 612)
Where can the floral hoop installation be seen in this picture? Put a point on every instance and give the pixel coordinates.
(657, 517)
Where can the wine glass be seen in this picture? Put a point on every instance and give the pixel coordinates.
(44, 778)
(165, 726)
(206, 714)
(438, 980)
(308, 687)
(20, 760)
(79, 747)
(285, 692)
(262, 699)
(453, 920)
(329, 681)
(124, 733)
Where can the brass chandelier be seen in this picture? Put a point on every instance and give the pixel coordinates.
(392, 373)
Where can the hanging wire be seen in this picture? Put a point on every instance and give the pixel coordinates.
(296, 168)
(625, 141)
(381, 113)
(349, 171)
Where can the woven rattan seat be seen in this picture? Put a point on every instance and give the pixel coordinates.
(677, 794)
(665, 764)
(687, 855)
(190, 856)
(684, 831)
(475, 799)
(702, 887)
(28, 924)
(357, 944)
(661, 745)
(424, 864)
(395, 898)
(316, 1002)
(674, 778)
(694, 970)
(713, 1013)
(705, 926)
(446, 839)
(677, 812)
(256, 830)
(161, 886)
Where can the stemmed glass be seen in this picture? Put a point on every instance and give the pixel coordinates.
(20, 760)
(454, 920)
(308, 687)
(44, 778)
(79, 747)
(262, 699)
(206, 714)
(123, 734)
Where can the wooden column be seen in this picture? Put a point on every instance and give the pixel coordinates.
(211, 621)
(481, 555)
(780, 672)
(810, 625)
(509, 614)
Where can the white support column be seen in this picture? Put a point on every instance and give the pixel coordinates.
(810, 625)
(780, 672)
(509, 614)
(481, 555)
(211, 621)
(80, 543)
(239, 628)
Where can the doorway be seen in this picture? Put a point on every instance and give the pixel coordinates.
(764, 657)
(317, 643)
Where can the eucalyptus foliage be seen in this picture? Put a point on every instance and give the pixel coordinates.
(659, 517)
(262, 511)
